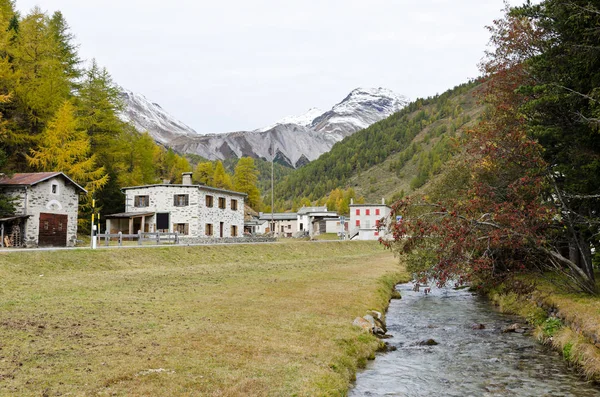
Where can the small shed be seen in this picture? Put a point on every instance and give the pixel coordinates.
(46, 209)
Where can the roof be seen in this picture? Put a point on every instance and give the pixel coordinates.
(33, 178)
(13, 217)
(214, 189)
(306, 210)
(279, 216)
(370, 205)
(129, 215)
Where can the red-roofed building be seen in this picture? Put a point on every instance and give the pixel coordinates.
(46, 210)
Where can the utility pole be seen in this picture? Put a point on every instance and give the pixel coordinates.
(272, 189)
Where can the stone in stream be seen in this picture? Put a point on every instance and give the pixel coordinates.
(516, 327)
(427, 342)
(477, 326)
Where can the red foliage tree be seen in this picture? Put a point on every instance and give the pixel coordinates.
(503, 221)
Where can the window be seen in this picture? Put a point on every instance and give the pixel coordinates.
(209, 201)
(358, 222)
(301, 227)
(181, 228)
(234, 205)
(367, 212)
(282, 229)
(54, 188)
(222, 203)
(289, 227)
(181, 200)
(208, 229)
(141, 201)
(358, 212)
(377, 211)
(234, 231)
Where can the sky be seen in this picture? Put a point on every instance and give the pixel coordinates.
(234, 65)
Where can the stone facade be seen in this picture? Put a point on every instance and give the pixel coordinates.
(195, 211)
(55, 195)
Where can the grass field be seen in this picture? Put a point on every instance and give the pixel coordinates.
(270, 320)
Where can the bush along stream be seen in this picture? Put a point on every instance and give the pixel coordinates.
(454, 343)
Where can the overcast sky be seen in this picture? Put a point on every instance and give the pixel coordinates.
(232, 65)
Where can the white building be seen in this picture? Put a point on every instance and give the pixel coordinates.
(309, 219)
(365, 218)
(191, 210)
(283, 224)
(46, 210)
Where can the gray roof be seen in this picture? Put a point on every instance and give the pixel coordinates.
(279, 216)
(129, 215)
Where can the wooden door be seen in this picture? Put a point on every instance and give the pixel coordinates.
(53, 230)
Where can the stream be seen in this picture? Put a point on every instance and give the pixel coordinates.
(467, 361)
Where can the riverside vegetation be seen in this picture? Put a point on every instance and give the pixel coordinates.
(265, 320)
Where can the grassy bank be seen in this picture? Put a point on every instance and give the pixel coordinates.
(222, 320)
(569, 322)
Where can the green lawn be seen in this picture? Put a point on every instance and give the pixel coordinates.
(269, 319)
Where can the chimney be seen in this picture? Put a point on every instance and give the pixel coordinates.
(351, 201)
(383, 200)
(186, 178)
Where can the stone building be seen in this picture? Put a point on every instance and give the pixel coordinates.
(46, 210)
(194, 211)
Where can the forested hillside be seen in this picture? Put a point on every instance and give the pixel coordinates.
(398, 154)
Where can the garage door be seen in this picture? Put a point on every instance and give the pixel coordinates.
(53, 230)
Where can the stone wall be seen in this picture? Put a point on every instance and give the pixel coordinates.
(196, 214)
(36, 199)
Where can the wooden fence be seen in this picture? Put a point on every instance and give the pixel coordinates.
(156, 237)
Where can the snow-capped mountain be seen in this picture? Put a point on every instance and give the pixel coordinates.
(149, 116)
(361, 108)
(305, 120)
(297, 139)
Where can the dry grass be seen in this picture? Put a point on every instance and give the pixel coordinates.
(579, 341)
(263, 320)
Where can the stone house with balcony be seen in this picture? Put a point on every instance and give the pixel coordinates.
(365, 218)
(193, 211)
(46, 205)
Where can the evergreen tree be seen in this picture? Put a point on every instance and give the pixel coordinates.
(66, 147)
(204, 173)
(67, 49)
(245, 178)
(221, 178)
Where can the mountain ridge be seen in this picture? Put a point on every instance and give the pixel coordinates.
(293, 141)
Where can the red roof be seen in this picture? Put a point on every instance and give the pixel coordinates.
(33, 178)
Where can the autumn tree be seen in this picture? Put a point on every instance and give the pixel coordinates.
(65, 147)
(245, 178)
(221, 178)
(204, 173)
(505, 220)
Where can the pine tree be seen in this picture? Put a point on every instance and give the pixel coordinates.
(204, 173)
(221, 178)
(66, 147)
(245, 178)
(42, 83)
(67, 49)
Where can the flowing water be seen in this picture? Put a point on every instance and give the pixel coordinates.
(467, 361)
